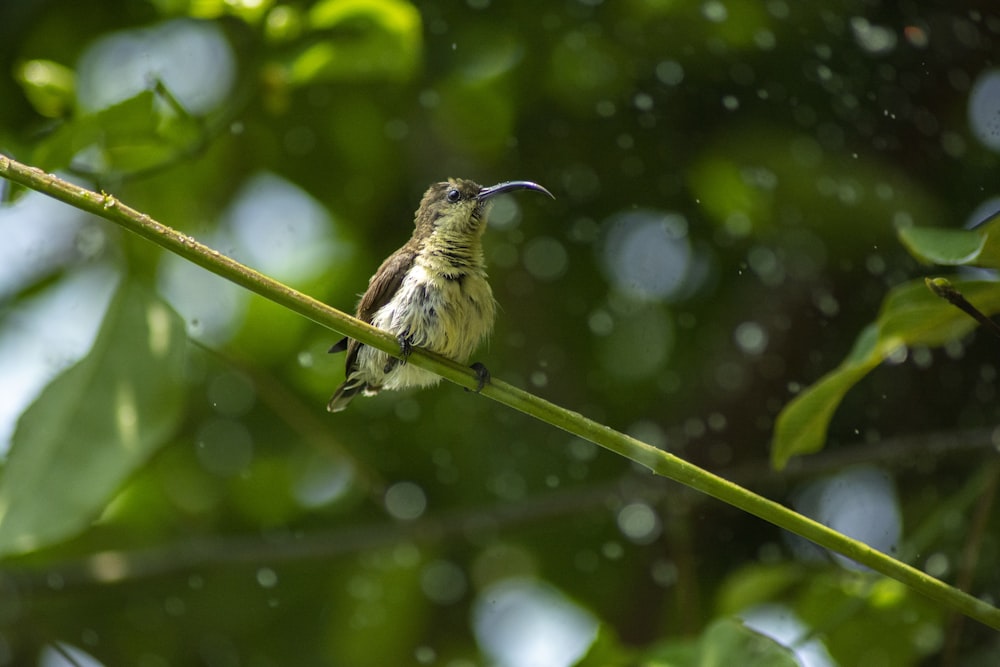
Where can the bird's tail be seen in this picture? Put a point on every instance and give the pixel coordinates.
(347, 391)
(342, 397)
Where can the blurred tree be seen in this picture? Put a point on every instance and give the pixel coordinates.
(730, 176)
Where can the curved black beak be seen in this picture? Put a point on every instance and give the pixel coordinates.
(507, 186)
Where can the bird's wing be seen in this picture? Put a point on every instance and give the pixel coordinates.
(381, 288)
(383, 285)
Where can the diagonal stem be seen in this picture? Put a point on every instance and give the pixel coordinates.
(658, 461)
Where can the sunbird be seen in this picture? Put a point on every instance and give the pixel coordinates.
(432, 293)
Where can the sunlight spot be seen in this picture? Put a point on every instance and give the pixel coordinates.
(66, 656)
(984, 109)
(108, 566)
(127, 416)
(639, 523)
(647, 253)
(872, 38)
(524, 623)
(405, 501)
(158, 322)
(192, 59)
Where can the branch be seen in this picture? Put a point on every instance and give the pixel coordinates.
(658, 461)
(943, 288)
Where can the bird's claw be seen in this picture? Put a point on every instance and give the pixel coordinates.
(405, 346)
(482, 376)
(405, 349)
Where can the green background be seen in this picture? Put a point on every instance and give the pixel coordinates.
(766, 151)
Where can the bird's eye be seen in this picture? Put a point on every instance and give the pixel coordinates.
(453, 195)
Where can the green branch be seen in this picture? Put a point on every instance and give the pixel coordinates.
(660, 462)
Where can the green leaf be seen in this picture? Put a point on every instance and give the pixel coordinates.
(801, 426)
(132, 117)
(948, 247)
(48, 85)
(955, 247)
(606, 650)
(758, 583)
(751, 177)
(132, 135)
(366, 39)
(870, 620)
(94, 425)
(910, 315)
(729, 642)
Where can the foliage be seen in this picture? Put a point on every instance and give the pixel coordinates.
(913, 314)
(94, 425)
(728, 176)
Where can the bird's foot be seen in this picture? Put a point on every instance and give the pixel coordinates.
(405, 346)
(482, 375)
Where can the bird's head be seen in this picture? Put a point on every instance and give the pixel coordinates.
(459, 206)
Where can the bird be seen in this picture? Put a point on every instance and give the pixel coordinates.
(432, 293)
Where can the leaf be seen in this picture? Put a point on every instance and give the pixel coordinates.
(955, 247)
(858, 613)
(49, 86)
(132, 135)
(607, 650)
(367, 39)
(801, 426)
(948, 247)
(910, 315)
(729, 642)
(133, 117)
(94, 425)
(758, 583)
(752, 175)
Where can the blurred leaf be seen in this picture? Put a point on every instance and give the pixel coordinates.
(607, 651)
(955, 247)
(870, 621)
(583, 69)
(389, 581)
(263, 492)
(126, 137)
(251, 12)
(910, 315)
(270, 333)
(756, 181)
(367, 39)
(94, 424)
(757, 583)
(473, 118)
(729, 642)
(740, 25)
(735, 199)
(48, 85)
(134, 115)
(284, 23)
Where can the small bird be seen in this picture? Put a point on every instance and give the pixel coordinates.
(431, 293)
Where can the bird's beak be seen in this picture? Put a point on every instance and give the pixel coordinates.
(507, 186)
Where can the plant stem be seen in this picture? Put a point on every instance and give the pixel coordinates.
(658, 461)
(943, 288)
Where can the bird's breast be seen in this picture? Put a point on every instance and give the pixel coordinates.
(449, 312)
